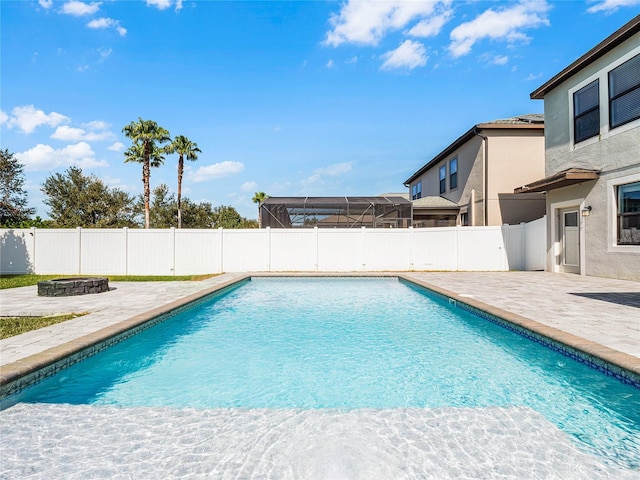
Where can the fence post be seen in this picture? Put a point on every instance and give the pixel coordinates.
(411, 256)
(268, 229)
(79, 241)
(173, 250)
(221, 250)
(458, 230)
(317, 249)
(33, 250)
(125, 234)
(363, 243)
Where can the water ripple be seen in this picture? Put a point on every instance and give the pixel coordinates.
(55, 441)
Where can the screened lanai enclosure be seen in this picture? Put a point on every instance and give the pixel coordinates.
(336, 212)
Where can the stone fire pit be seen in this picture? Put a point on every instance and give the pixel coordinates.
(64, 287)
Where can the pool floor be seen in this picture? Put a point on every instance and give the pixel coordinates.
(50, 441)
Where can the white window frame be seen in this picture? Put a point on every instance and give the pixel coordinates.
(612, 209)
(605, 131)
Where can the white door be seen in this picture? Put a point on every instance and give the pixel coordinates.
(570, 240)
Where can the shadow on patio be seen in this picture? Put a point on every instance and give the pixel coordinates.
(629, 299)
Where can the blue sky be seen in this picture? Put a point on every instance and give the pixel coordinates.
(290, 98)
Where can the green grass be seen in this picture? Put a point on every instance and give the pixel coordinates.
(13, 281)
(10, 326)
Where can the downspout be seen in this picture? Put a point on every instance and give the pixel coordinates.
(485, 169)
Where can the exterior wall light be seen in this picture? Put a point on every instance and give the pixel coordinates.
(586, 211)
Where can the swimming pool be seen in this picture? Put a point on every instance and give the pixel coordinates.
(339, 347)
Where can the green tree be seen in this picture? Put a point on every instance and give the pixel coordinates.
(162, 207)
(146, 136)
(259, 198)
(226, 217)
(249, 223)
(77, 200)
(185, 148)
(13, 197)
(163, 210)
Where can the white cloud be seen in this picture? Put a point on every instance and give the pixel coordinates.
(73, 134)
(45, 3)
(500, 60)
(159, 4)
(80, 9)
(105, 22)
(178, 5)
(430, 27)
(331, 64)
(4, 118)
(352, 60)
(45, 157)
(104, 53)
(114, 182)
(333, 170)
(217, 170)
(367, 21)
(408, 55)
(533, 76)
(116, 147)
(505, 23)
(27, 118)
(610, 6)
(96, 125)
(249, 186)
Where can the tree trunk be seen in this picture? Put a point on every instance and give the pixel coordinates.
(180, 171)
(146, 173)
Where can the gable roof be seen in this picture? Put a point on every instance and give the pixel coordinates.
(619, 36)
(435, 203)
(527, 121)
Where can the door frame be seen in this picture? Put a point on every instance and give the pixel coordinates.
(556, 233)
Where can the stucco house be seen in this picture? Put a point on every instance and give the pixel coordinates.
(471, 182)
(592, 160)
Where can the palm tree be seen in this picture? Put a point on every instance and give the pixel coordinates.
(185, 148)
(145, 135)
(259, 198)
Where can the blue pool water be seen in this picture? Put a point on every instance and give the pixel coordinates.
(349, 344)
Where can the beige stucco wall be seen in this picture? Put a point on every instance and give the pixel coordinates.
(516, 157)
(615, 153)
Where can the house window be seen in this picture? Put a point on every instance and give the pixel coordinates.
(416, 191)
(453, 174)
(629, 214)
(443, 178)
(624, 93)
(586, 112)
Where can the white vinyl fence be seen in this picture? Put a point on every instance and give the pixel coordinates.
(127, 251)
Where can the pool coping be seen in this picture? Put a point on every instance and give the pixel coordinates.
(22, 373)
(610, 361)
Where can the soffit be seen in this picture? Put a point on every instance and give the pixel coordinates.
(562, 179)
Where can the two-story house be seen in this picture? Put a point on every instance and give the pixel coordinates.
(471, 182)
(592, 152)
